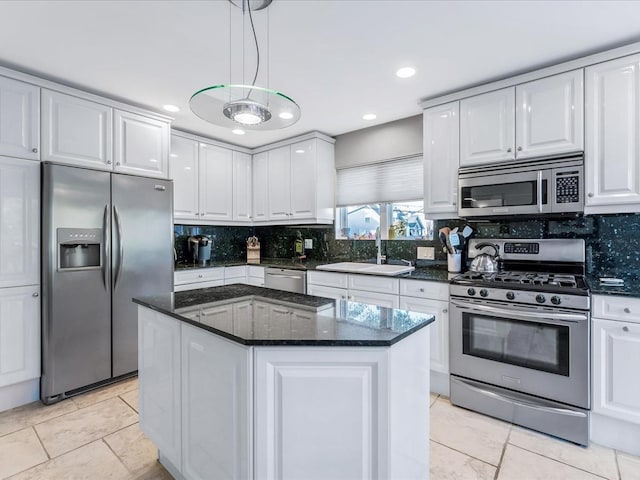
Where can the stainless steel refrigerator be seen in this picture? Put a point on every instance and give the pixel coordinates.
(106, 237)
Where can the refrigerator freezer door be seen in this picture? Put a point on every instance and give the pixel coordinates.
(76, 313)
(142, 257)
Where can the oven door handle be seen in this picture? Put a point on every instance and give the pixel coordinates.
(566, 317)
(517, 401)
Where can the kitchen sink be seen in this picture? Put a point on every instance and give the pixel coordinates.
(372, 269)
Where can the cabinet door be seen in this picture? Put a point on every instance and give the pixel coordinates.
(216, 414)
(487, 127)
(241, 187)
(216, 183)
(19, 334)
(76, 131)
(616, 355)
(19, 222)
(550, 115)
(279, 183)
(303, 180)
(142, 145)
(612, 154)
(327, 292)
(159, 376)
(441, 158)
(183, 169)
(439, 328)
(19, 119)
(260, 187)
(220, 317)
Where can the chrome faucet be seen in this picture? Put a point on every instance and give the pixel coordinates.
(379, 257)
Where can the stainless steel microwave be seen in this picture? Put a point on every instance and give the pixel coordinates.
(535, 187)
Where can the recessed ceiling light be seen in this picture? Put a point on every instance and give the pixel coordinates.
(369, 116)
(286, 115)
(406, 72)
(238, 131)
(171, 108)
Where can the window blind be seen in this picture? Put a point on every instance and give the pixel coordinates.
(390, 181)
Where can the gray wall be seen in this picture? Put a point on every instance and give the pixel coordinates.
(397, 139)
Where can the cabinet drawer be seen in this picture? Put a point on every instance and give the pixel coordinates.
(380, 299)
(424, 289)
(616, 308)
(257, 272)
(235, 272)
(198, 275)
(329, 279)
(194, 286)
(370, 283)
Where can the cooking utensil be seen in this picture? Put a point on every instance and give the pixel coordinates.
(485, 262)
(467, 231)
(446, 231)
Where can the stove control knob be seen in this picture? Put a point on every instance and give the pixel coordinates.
(510, 295)
(540, 299)
(471, 291)
(556, 300)
(484, 293)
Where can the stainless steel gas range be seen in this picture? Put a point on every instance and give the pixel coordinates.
(520, 337)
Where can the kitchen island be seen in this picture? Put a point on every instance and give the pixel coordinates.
(242, 382)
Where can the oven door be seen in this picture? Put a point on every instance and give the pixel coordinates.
(524, 192)
(535, 350)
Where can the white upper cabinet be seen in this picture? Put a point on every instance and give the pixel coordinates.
(441, 159)
(539, 118)
(279, 175)
(19, 119)
(19, 222)
(76, 131)
(260, 187)
(550, 115)
(216, 183)
(299, 183)
(141, 145)
(487, 127)
(183, 169)
(241, 187)
(612, 153)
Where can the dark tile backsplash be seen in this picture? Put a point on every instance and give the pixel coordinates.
(612, 241)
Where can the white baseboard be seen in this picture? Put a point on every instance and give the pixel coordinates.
(614, 433)
(19, 394)
(440, 383)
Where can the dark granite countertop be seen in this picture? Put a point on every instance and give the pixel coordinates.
(631, 287)
(284, 318)
(436, 273)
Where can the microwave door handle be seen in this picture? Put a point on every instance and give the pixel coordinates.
(567, 317)
(540, 191)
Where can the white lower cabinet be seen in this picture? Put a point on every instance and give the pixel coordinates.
(327, 292)
(193, 279)
(19, 334)
(379, 299)
(160, 386)
(237, 274)
(216, 407)
(255, 276)
(615, 419)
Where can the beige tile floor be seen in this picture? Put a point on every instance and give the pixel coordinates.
(96, 436)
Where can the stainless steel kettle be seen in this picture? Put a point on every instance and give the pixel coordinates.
(485, 262)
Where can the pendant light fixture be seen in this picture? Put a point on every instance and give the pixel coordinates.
(246, 105)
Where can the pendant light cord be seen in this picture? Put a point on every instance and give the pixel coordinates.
(255, 39)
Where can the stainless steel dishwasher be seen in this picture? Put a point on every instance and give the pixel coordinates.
(283, 279)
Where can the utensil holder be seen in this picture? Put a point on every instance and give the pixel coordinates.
(454, 262)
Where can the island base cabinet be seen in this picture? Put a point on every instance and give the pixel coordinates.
(159, 384)
(216, 411)
(342, 413)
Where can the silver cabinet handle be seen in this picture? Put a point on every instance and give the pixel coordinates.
(120, 246)
(590, 194)
(199, 276)
(519, 149)
(34, 150)
(444, 310)
(627, 310)
(624, 329)
(118, 164)
(36, 294)
(108, 162)
(509, 150)
(422, 290)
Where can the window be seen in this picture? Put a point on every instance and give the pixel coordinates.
(397, 221)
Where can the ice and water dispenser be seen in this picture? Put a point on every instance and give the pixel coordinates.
(79, 248)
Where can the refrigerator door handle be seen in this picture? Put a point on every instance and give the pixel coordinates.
(105, 247)
(116, 217)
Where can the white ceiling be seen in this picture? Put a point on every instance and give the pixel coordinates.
(335, 58)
